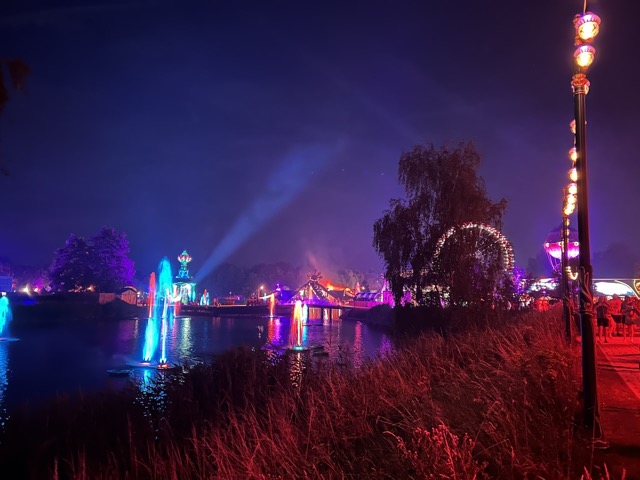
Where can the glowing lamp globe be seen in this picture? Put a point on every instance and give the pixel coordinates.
(572, 189)
(573, 154)
(587, 26)
(584, 55)
(568, 209)
(572, 126)
(573, 175)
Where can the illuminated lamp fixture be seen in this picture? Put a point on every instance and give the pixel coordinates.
(568, 209)
(573, 154)
(572, 189)
(587, 26)
(572, 126)
(573, 175)
(584, 55)
(572, 276)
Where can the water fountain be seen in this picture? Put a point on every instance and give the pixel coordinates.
(272, 305)
(5, 317)
(160, 314)
(295, 335)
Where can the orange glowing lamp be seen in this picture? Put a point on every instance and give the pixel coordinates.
(584, 55)
(587, 26)
(573, 154)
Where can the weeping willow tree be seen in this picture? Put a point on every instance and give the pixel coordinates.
(16, 72)
(443, 190)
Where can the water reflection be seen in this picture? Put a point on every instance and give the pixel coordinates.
(296, 368)
(4, 382)
(274, 331)
(184, 348)
(358, 349)
(47, 361)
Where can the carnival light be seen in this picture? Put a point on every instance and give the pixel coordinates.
(584, 55)
(587, 26)
(572, 189)
(508, 260)
(573, 175)
(573, 154)
(572, 276)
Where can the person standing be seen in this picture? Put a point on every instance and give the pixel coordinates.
(602, 318)
(615, 308)
(629, 315)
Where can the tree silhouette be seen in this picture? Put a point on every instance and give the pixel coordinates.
(443, 190)
(100, 263)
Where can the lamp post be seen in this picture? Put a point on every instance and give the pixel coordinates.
(586, 26)
(569, 201)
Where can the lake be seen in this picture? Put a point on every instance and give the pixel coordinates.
(65, 358)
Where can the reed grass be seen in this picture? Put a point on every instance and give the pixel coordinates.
(498, 401)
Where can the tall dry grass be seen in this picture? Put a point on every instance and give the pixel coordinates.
(497, 402)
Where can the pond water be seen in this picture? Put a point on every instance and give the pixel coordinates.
(65, 358)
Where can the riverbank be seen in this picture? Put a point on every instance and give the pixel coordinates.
(500, 401)
(49, 310)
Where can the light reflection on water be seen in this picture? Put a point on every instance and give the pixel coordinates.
(68, 357)
(4, 380)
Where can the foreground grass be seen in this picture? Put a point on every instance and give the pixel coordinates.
(497, 402)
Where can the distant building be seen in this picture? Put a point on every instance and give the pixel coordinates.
(129, 294)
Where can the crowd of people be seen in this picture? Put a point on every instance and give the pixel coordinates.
(616, 316)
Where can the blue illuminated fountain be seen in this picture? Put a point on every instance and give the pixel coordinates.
(160, 314)
(5, 318)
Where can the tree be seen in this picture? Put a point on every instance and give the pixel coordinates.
(71, 269)
(443, 190)
(101, 263)
(112, 267)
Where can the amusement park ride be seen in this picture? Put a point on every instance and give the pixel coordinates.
(602, 286)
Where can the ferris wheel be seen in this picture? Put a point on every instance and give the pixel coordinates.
(488, 243)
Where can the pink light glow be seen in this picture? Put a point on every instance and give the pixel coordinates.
(272, 304)
(555, 249)
(152, 293)
(295, 335)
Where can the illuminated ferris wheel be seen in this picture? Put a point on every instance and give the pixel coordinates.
(553, 247)
(487, 244)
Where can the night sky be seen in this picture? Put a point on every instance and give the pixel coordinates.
(259, 131)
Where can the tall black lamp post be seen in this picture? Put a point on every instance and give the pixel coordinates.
(569, 200)
(586, 26)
